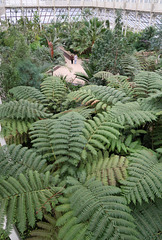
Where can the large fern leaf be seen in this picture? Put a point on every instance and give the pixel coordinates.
(15, 131)
(86, 112)
(55, 91)
(40, 136)
(22, 109)
(98, 133)
(93, 212)
(47, 230)
(24, 199)
(68, 141)
(130, 114)
(147, 83)
(148, 219)
(153, 102)
(90, 95)
(145, 177)
(17, 159)
(27, 93)
(109, 170)
(130, 65)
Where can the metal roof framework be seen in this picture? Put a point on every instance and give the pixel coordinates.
(137, 14)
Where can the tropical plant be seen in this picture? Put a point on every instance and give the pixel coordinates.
(85, 163)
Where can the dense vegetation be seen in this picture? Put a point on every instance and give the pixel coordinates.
(85, 163)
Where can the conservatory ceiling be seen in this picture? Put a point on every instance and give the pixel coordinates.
(136, 14)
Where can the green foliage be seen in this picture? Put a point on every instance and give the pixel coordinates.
(15, 130)
(17, 159)
(147, 83)
(98, 133)
(109, 170)
(116, 81)
(130, 114)
(85, 36)
(148, 219)
(40, 136)
(92, 95)
(144, 177)
(29, 74)
(24, 198)
(130, 66)
(105, 217)
(108, 51)
(46, 229)
(27, 93)
(55, 91)
(22, 109)
(82, 139)
(144, 40)
(68, 142)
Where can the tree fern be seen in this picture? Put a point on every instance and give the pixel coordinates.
(17, 139)
(17, 159)
(156, 134)
(153, 102)
(68, 141)
(148, 218)
(24, 199)
(126, 143)
(90, 95)
(98, 133)
(40, 136)
(94, 211)
(46, 229)
(55, 91)
(103, 75)
(144, 181)
(15, 130)
(147, 83)
(130, 113)
(116, 81)
(109, 170)
(83, 111)
(27, 93)
(130, 65)
(22, 109)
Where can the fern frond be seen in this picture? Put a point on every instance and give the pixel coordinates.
(17, 159)
(90, 95)
(98, 133)
(83, 111)
(147, 83)
(24, 199)
(15, 131)
(153, 102)
(28, 93)
(130, 65)
(109, 170)
(22, 109)
(68, 141)
(47, 230)
(130, 113)
(156, 134)
(144, 181)
(40, 136)
(97, 211)
(53, 88)
(148, 219)
(103, 75)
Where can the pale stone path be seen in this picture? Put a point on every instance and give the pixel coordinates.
(69, 71)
